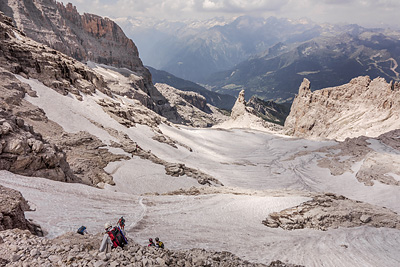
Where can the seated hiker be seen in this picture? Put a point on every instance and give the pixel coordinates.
(121, 226)
(106, 243)
(113, 237)
(159, 244)
(82, 230)
(151, 243)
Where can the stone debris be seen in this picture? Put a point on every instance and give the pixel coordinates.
(328, 210)
(21, 248)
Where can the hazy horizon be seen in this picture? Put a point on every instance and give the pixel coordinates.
(367, 13)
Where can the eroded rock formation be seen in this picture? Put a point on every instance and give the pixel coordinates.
(361, 107)
(12, 208)
(326, 211)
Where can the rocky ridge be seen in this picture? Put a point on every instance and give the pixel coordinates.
(82, 37)
(38, 146)
(375, 167)
(21, 55)
(269, 110)
(21, 248)
(327, 210)
(243, 116)
(12, 208)
(192, 107)
(86, 37)
(361, 107)
(23, 149)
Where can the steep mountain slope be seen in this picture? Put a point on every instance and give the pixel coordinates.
(213, 98)
(269, 110)
(361, 107)
(84, 37)
(194, 50)
(334, 58)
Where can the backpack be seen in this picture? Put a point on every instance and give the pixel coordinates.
(81, 230)
(160, 244)
(117, 238)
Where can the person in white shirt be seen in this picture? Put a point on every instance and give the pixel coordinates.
(106, 243)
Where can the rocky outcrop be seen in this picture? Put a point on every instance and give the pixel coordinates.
(20, 248)
(84, 37)
(243, 116)
(23, 151)
(326, 211)
(12, 208)
(37, 146)
(191, 107)
(268, 110)
(361, 107)
(375, 166)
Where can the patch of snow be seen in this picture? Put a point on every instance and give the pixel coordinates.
(17, 36)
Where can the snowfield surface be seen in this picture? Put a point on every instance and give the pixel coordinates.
(261, 170)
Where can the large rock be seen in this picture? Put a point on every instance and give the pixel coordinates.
(12, 208)
(361, 107)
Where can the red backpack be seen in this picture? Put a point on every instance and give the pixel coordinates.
(116, 237)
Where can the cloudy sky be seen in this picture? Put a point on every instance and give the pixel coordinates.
(363, 12)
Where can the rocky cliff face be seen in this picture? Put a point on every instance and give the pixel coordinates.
(12, 207)
(361, 107)
(84, 37)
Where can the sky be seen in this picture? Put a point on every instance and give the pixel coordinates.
(363, 12)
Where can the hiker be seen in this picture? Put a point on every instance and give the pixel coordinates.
(121, 226)
(106, 243)
(159, 244)
(151, 243)
(113, 236)
(82, 230)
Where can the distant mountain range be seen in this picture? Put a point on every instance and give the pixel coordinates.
(267, 57)
(193, 50)
(331, 59)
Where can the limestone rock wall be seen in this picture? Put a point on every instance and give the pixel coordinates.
(361, 107)
(85, 38)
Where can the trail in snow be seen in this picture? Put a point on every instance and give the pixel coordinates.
(141, 216)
